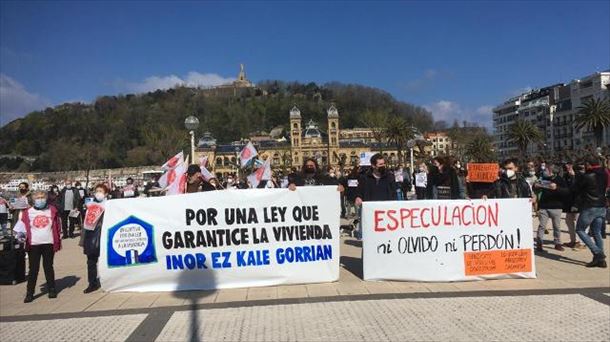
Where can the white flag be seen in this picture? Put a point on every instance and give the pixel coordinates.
(207, 175)
(262, 173)
(247, 154)
(168, 177)
(177, 180)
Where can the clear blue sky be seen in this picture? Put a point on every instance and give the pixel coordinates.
(456, 58)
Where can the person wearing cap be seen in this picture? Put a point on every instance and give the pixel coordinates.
(41, 227)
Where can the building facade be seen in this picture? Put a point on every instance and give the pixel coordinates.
(552, 110)
(331, 148)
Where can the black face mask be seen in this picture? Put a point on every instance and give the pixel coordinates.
(381, 170)
(23, 191)
(310, 170)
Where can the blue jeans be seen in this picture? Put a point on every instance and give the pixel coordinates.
(594, 217)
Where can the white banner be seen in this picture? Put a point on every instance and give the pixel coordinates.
(221, 239)
(448, 240)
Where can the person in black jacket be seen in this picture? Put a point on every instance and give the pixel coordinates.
(92, 228)
(69, 201)
(590, 190)
(512, 184)
(569, 176)
(552, 189)
(310, 175)
(377, 184)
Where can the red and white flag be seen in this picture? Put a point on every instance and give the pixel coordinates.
(203, 161)
(173, 161)
(176, 180)
(262, 173)
(207, 175)
(174, 175)
(247, 154)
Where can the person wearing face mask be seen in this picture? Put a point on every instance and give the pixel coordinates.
(310, 176)
(589, 189)
(19, 203)
(92, 227)
(377, 184)
(40, 225)
(130, 190)
(552, 191)
(530, 173)
(511, 183)
(420, 180)
(569, 176)
(53, 196)
(69, 200)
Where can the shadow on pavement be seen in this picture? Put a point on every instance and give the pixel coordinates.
(559, 258)
(60, 285)
(355, 243)
(194, 285)
(353, 265)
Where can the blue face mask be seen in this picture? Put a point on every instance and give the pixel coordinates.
(40, 203)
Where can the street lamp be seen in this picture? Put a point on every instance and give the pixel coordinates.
(191, 123)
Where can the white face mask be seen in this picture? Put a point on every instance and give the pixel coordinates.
(510, 173)
(100, 196)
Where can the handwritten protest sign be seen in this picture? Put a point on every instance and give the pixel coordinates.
(482, 172)
(221, 239)
(448, 240)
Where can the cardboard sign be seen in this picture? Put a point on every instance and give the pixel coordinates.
(482, 172)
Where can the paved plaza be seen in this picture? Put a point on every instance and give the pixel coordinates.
(566, 302)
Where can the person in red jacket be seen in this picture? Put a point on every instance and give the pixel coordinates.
(41, 226)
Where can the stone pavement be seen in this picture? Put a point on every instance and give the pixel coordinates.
(565, 302)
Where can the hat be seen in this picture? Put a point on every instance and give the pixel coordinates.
(193, 169)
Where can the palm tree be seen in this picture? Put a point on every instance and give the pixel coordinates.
(524, 132)
(480, 149)
(398, 132)
(594, 115)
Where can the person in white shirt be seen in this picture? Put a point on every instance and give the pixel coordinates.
(41, 227)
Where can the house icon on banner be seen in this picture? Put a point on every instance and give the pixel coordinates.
(131, 243)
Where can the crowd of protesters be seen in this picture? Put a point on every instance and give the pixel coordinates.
(577, 191)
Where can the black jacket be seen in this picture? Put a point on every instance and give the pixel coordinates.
(554, 199)
(590, 189)
(377, 189)
(76, 200)
(504, 185)
(91, 239)
(316, 179)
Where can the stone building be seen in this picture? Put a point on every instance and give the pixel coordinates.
(331, 148)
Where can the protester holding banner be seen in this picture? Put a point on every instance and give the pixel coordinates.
(552, 190)
(448, 186)
(3, 214)
(590, 190)
(310, 175)
(130, 190)
(69, 200)
(41, 227)
(350, 183)
(92, 228)
(512, 184)
(420, 180)
(377, 184)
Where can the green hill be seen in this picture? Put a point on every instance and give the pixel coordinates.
(144, 129)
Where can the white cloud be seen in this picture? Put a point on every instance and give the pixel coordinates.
(192, 79)
(520, 91)
(16, 101)
(445, 110)
(450, 111)
(485, 109)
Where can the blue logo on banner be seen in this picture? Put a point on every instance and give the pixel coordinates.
(131, 243)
